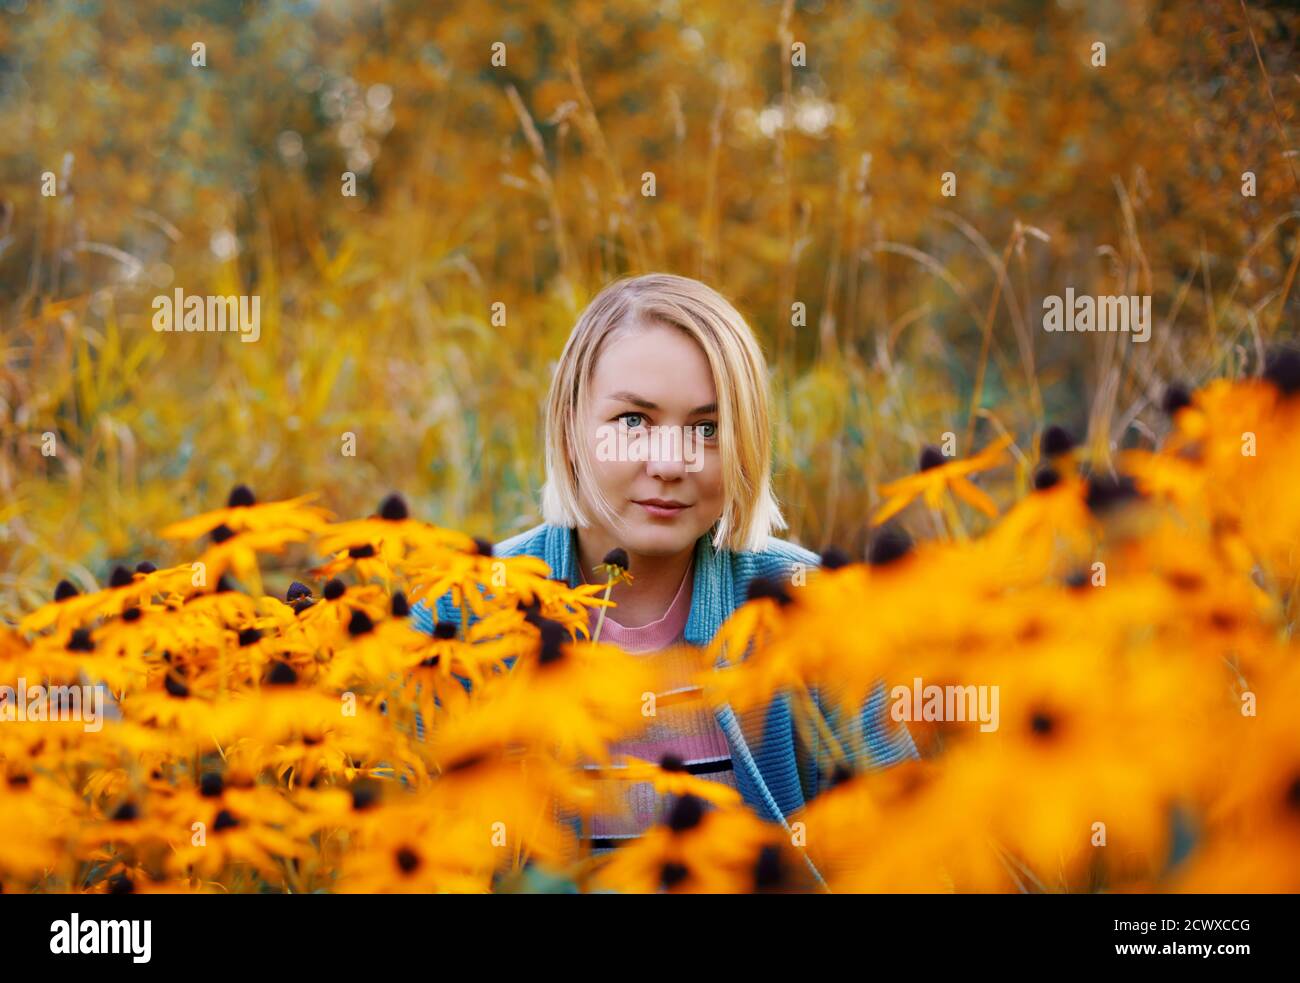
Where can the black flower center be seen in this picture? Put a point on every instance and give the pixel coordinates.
(840, 775)
(211, 785)
(687, 813)
(1056, 440)
(1046, 477)
(1282, 368)
(671, 874)
(931, 457)
(81, 641)
(889, 544)
(407, 859)
(1175, 398)
(393, 508)
(1293, 794)
(834, 558)
(768, 587)
(1106, 492)
(465, 763)
(554, 635)
(769, 871)
(1043, 724)
(363, 797)
(1076, 580)
(221, 533)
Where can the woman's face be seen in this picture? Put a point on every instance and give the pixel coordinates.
(652, 440)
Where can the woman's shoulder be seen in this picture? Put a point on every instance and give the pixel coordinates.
(553, 544)
(530, 542)
(776, 559)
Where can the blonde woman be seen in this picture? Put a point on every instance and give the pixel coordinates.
(658, 445)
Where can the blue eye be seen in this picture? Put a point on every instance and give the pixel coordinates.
(707, 430)
(634, 421)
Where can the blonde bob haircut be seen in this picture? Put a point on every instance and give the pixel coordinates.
(750, 511)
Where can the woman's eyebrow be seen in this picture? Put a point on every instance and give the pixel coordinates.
(645, 404)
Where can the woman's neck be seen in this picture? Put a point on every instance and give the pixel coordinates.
(656, 579)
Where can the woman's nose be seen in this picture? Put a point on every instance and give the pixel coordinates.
(665, 459)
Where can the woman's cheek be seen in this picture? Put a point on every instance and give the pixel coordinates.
(711, 478)
(613, 476)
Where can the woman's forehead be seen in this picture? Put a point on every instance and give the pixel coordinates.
(658, 362)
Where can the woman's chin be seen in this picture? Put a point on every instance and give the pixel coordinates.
(660, 542)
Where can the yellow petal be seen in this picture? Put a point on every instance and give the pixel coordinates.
(972, 495)
(891, 508)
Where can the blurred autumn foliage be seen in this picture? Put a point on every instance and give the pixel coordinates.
(781, 180)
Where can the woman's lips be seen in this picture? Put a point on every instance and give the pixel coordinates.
(657, 511)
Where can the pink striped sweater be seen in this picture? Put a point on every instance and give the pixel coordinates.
(684, 728)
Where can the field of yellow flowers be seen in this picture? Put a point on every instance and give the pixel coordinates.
(1135, 623)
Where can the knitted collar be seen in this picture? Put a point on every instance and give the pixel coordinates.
(711, 594)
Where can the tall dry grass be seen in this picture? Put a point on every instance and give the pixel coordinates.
(522, 184)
